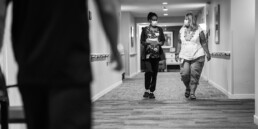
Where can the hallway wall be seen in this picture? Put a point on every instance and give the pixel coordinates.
(256, 64)
(130, 49)
(234, 76)
(243, 29)
(217, 71)
(104, 77)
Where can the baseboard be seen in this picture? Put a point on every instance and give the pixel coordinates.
(204, 78)
(132, 75)
(97, 96)
(256, 119)
(219, 87)
(241, 96)
(230, 95)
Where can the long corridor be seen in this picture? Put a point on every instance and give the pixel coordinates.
(125, 108)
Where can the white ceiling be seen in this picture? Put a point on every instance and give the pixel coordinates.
(141, 8)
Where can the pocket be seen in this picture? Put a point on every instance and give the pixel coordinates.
(182, 61)
(201, 59)
(201, 62)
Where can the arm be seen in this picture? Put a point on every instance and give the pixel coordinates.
(178, 49)
(144, 37)
(109, 19)
(162, 37)
(3, 10)
(205, 45)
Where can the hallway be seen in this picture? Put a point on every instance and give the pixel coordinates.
(124, 107)
(231, 30)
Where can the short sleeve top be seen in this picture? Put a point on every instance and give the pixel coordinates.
(191, 47)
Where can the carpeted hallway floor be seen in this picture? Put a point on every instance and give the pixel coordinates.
(125, 108)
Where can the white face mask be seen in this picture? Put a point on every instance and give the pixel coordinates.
(154, 23)
(186, 22)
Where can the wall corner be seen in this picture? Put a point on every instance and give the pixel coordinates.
(256, 119)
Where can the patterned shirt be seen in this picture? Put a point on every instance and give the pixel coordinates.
(152, 51)
(191, 47)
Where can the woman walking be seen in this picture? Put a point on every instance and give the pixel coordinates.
(152, 38)
(191, 49)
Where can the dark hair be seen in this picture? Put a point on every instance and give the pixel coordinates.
(150, 15)
(189, 13)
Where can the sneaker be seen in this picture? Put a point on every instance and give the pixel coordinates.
(151, 96)
(192, 97)
(146, 94)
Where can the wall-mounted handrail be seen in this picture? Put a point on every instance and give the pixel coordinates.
(224, 55)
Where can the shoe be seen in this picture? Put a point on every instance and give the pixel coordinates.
(151, 96)
(187, 93)
(146, 94)
(192, 97)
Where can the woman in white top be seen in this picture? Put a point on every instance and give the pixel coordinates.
(191, 49)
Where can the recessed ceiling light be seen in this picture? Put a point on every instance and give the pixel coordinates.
(165, 9)
(165, 14)
(165, 3)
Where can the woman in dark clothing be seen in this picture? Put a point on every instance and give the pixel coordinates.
(152, 38)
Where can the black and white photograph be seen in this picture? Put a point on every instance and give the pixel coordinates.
(128, 64)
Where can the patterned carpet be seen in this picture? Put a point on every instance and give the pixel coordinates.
(125, 108)
(169, 86)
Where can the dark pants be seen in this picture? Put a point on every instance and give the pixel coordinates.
(191, 71)
(57, 107)
(152, 66)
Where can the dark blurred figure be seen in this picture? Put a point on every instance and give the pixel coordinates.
(50, 40)
(152, 38)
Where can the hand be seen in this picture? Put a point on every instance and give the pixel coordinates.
(177, 58)
(208, 56)
(116, 57)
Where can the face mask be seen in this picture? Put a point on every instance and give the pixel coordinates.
(186, 23)
(154, 23)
